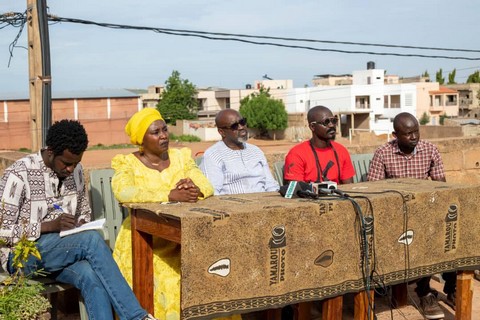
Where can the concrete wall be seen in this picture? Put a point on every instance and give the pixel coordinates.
(461, 157)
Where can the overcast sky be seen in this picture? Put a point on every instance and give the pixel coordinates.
(87, 57)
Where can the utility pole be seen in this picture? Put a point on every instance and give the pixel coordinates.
(39, 72)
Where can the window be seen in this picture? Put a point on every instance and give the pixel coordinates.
(408, 100)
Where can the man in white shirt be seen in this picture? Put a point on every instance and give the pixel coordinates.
(232, 165)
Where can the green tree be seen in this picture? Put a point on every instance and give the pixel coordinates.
(439, 77)
(264, 112)
(424, 119)
(442, 119)
(451, 77)
(177, 101)
(426, 75)
(474, 77)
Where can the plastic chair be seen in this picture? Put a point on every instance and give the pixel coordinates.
(278, 171)
(361, 163)
(105, 205)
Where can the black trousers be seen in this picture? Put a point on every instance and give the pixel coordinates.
(423, 285)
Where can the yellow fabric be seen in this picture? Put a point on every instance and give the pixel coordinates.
(139, 123)
(134, 182)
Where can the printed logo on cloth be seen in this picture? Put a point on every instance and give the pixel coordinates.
(220, 267)
(451, 229)
(277, 254)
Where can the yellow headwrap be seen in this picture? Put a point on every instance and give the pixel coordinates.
(139, 123)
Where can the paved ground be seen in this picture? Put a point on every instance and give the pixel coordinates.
(102, 158)
(382, 310)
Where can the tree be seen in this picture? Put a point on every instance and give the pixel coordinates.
(442, 119)
(474, 77)
(451, 77)
(264, 112)
(426, 75)
(439, 77)
(177, 101)
(424, 119)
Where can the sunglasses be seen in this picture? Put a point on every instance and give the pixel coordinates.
(327, 122)
(242, 122)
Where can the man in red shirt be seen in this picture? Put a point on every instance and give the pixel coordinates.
(409, 157)
(320, 158)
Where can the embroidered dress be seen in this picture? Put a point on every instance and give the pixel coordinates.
(134, 182)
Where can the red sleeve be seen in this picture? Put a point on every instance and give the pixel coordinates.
(300, 164)
(346, 167)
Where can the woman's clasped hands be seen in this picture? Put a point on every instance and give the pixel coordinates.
(185, 191)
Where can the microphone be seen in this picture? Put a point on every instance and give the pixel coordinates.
(296, 189)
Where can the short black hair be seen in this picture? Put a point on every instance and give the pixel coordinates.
(313, 112)
(67, 135)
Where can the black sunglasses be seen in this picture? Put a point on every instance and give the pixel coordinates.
(242, 122)
(327, 122)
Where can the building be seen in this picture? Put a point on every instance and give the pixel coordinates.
(103, 113)
(469, 99)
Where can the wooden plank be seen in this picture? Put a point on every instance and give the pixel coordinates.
(303, 310)
(142, 251)
(160, 226)
(399, 295)
(463, 308)
(332, 308)
(273, 314)
(364, 305)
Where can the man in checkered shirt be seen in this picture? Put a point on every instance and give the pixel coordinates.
(409, 157)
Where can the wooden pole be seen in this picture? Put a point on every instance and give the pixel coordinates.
(39, 72)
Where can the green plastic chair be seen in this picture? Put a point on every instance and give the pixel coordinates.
(361, 163)
(278, 171)
(198, 160)
(105, 205)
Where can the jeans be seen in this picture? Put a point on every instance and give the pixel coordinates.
(85, 261)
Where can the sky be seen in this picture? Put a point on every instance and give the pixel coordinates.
(86, 57)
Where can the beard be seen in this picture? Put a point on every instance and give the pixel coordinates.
(243, 139)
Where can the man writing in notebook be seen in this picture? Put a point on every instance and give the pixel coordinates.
(44, 193)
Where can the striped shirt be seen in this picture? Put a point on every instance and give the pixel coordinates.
(389, 162)
(237, 171)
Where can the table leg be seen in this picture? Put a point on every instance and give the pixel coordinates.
(302, 310)
(463, 303)
(364, 305)
(332, 308)
(273, 314)
(142, 253)
(399, 295)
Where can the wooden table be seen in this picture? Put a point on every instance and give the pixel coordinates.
(147, 223)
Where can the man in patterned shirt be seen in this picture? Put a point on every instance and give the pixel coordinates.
(43, 194)
(409, 157)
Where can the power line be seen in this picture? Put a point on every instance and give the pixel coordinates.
(236, 37)
(18, 19)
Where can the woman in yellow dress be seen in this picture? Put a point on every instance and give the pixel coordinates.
(156, 173)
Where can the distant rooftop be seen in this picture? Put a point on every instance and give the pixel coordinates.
(327, 75)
